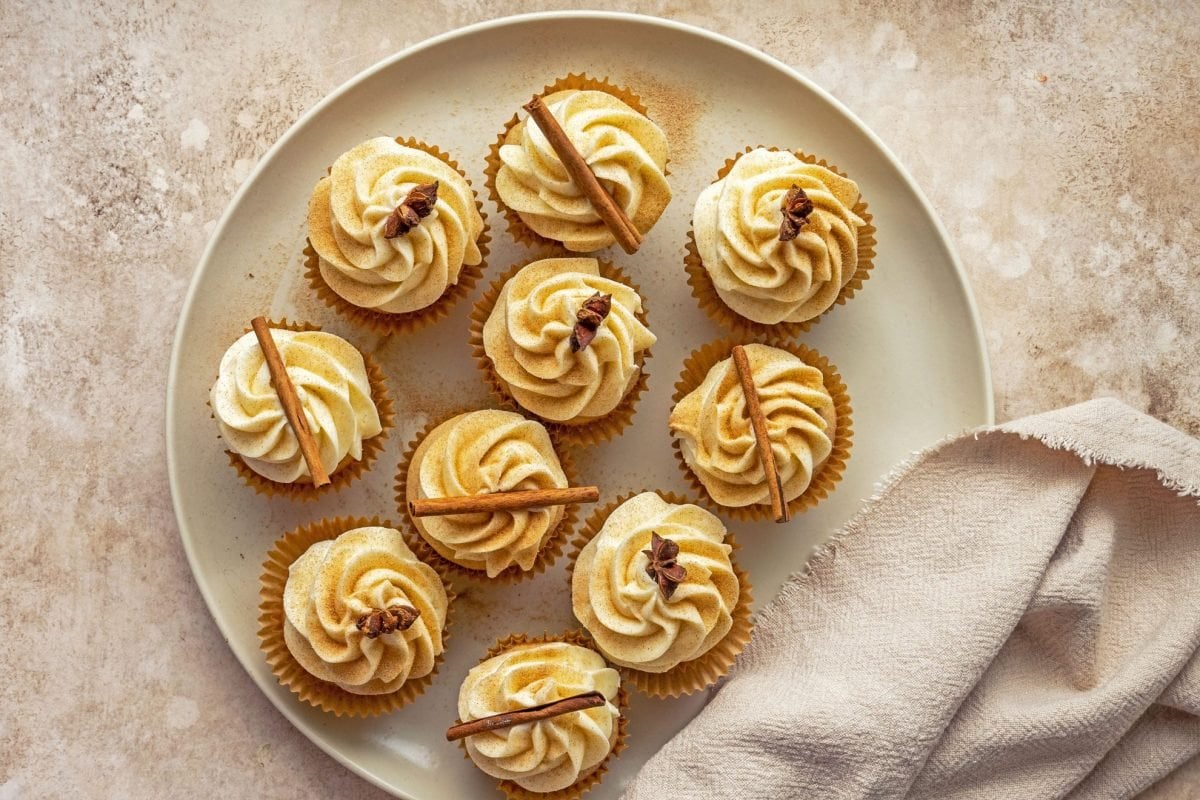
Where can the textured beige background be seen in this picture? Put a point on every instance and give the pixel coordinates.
(1059, 146)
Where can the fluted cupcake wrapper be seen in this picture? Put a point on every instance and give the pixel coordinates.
(517, 228)
(706, 293)
(551, 549)
(387, 323)
(348, 469)
(699, 673)
(696, 367)
(288, 671)
(584, 432)
(593, 778)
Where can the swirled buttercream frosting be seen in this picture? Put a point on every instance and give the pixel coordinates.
(736, 223)
(614, 596)
(549, 754)
(347, 218)
(626, 151)
(527, 337)
(331, 381)
(712, 425)
(483, 452)
(336, 583)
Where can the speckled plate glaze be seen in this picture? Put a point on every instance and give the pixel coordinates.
(908, 346)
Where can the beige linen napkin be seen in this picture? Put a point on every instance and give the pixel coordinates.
(1015, 615)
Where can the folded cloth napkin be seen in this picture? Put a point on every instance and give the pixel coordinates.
(1015, 615)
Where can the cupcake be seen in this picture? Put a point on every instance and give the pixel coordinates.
(565, 340)
(777, 240)
(352, 621)
(342, 394)
(561, 757)
(807, 415)
(484, 452)
(654, 584)
(625, 150)
(395, 235)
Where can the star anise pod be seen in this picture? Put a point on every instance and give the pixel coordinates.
(387, 620)
(417, 204)
(796, 207)
(662, 566)
(595, 310)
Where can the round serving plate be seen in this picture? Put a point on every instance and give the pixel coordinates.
(908, 346)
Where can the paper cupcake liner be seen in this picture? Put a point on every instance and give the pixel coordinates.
(592, 779)
(582, 433)
(382, 321)
(552, 548)
(517, 228)
(706, 293)
(699, 673)
(347, 470)
(696, 367)
(312, 690)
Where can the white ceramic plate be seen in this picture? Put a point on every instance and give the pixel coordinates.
(909, 346)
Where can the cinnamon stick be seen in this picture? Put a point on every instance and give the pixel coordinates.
(759, 424)
(290, 402)
(502, 501)
(611, 214)
(580, 702)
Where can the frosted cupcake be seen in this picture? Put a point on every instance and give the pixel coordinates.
(341, 392)
(485, 452)
(395, 235)
(565, 340)
(625, 150)
(777, 240)
(655, 585)
(560, 757)
(353, 621)
(807, 415)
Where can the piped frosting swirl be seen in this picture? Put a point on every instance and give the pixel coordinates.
(736, 223)
(626, 151)
(335, 583)
(716, 439)
(527, 337)
(483, 452)
(347, 218)
(331, 382)
(622, 606)
(550, 754)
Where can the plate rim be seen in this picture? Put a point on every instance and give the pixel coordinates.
(185, 312)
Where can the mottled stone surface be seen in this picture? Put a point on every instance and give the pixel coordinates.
(1059, 147)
